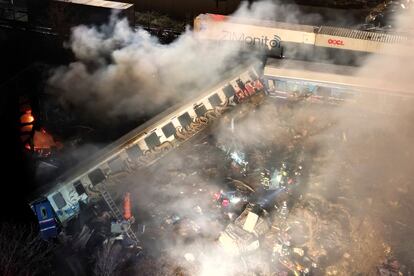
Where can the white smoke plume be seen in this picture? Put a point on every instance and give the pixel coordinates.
(368, 157)
(124, 72)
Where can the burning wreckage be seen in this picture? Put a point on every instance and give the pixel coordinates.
(259, 213)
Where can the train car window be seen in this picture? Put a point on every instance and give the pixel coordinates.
(214, 100)
(292, 87)
(96, 176)
(229, 91)
(309, 87)
(134, 152)
(79, 187)
(152, 140)
(252, 75)
(168, 129)
(323, 91)
(116, 165)
(339, 93)
(200, 110)
(184, 119)
(271, 84)
(281, 86)
(240, 84)
(43, 212)
(59, 200)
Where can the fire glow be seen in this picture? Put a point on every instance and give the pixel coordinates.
(41, 141)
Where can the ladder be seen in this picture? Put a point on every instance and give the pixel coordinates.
(117, 213)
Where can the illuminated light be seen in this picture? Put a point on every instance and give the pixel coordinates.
(217, 195)
(43, 140)
(27, 118)
(189, 257)
(27, 146)
(225, 203)
(235, 200)
(43, 152)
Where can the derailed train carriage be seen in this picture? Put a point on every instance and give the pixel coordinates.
(282, 80)
(141, 147)
(330, 83)
(292, 40)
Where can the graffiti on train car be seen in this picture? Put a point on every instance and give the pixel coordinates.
(200, 123)
(157, 151)
(247, 90)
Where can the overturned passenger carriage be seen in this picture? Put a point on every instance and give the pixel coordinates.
(141, 147)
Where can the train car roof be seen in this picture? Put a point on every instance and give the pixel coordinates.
(364, 35)
(290, 64)
(146, 128)
(259, 23)
(326, 30)
(100, 3)
(336, 75)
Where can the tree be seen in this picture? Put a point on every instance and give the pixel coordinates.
(108, 259)
(22, 251)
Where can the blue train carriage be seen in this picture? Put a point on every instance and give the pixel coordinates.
(331, 84)
(141, 147)
(316, 82)
(56, 207)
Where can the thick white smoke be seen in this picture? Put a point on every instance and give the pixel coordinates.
(120, 71)
(368, 157)
(125, 72)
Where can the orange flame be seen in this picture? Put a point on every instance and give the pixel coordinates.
(27, 118)
(43, 140)
(127, 206)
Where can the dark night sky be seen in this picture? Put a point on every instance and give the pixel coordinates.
(16, 180)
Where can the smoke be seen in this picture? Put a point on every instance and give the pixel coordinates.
(358, 158)
(275, 11)
(120, 71)
(370, 171)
